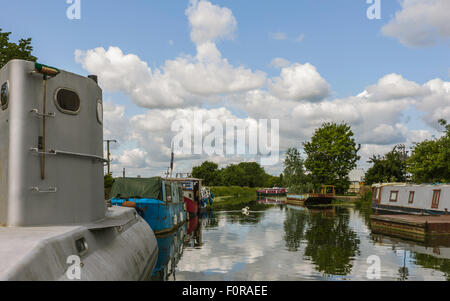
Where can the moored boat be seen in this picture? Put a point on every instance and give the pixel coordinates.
(402, 198)
(192, 188)
(325, 197)
(159, 201)
(275, 191)
(54, 221)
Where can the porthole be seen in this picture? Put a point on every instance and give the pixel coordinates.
(100, 111)
(4, 95)
(67, 101)
(81, 246)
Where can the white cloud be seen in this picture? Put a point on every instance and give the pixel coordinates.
(420, 22)
(279, 62)
(183, 81)
(436, 105)
(135, 158)
(300, 38)
(300, 82)
(210, 22)
(394, 86)
(115, 125)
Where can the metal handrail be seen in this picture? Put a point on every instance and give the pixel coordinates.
(59, 152)
(50, 190)
(40, 115)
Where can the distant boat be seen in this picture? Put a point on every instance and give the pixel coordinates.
(159, 201)
(325, 197)
(53, 215)
(275, 191)
(192, 192)
(402, 198)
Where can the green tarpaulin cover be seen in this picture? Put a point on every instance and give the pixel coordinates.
(145, 188)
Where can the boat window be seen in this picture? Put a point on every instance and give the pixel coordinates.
(67, 101)
(4, 96)
(394, 196)
(168, 193)
(436, 197)
(180, 192)
(411, 197)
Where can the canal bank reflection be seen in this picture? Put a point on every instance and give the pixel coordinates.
(285, 242)
(330, 243)
(433, 254)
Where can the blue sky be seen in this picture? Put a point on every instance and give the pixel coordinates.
(349, 51)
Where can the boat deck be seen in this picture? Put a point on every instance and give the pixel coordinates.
(17, 243)
(411, 226)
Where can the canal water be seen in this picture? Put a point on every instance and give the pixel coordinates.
(284, 242)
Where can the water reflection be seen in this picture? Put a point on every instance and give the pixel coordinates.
(284, 242)
(433, 254)
(170, 251)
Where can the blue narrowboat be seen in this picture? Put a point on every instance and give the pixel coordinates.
(159, 201)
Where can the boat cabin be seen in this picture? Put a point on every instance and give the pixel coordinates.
(159, 201)
(51, 150)
(192, 188)
(411, 198)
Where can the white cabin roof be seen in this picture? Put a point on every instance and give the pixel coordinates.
(410, 184)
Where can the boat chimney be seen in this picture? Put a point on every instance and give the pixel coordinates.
(94, 78)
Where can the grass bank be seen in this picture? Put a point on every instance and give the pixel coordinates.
(233, 191)
(232, 203)
(235, 198)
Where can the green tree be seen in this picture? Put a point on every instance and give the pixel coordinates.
(331, 154)
(209, 172)
(254, 174)
(9, 51)
(232, 175)
(388, 168)
(430, 159)
(272, 181)
(294, 172)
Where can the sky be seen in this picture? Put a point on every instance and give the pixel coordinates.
(300, 62)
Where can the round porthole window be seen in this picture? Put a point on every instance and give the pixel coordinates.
(100, 111)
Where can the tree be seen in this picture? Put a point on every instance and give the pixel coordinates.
(430, 159)
(254, 175)
(294, 172)
(388, 168)
(209, 172)
(10, 51)
(244, 174)
(232, 175)
(331, 154)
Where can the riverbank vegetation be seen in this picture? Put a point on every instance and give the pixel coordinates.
(429, 162)
(330, 156)
(10, 51)
(233, 191)
(245, 174)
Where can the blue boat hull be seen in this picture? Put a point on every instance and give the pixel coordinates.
(163, 217)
